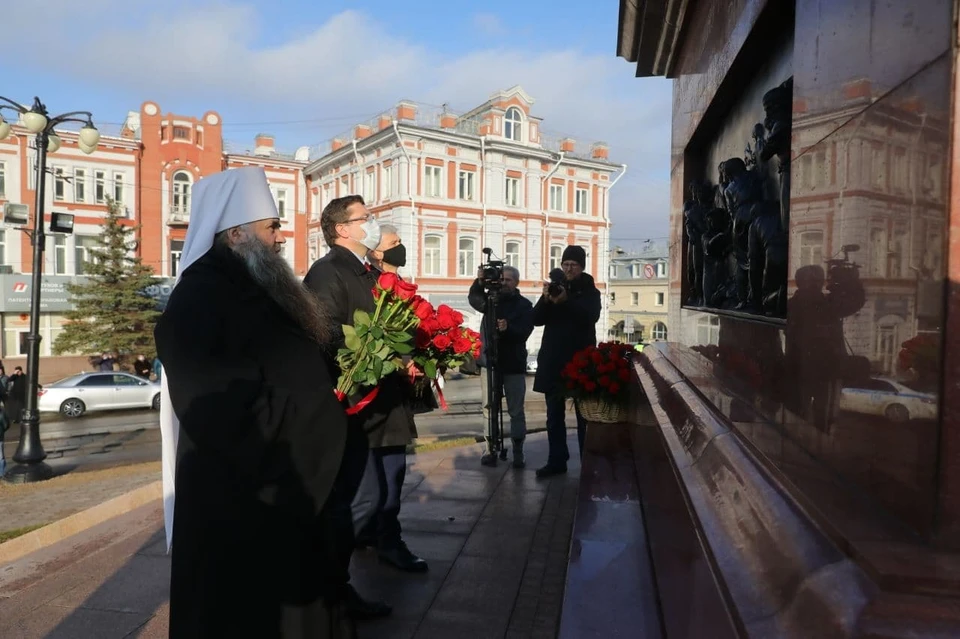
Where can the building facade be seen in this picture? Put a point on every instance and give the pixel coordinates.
(639, 294)
(456, 184)
(149, 169)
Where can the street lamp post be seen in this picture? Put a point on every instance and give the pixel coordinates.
(30, 454)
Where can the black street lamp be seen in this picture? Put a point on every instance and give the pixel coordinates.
(30, 454)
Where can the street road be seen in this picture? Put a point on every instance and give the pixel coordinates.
(122, 437)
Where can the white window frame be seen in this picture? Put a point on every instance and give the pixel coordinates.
(3, 246)
(79, 185)
(659, 299)
(581, 201)
(466, 257)
(513, 126)
(512, 191)
(811, 245)
(81, 253)
(282, 203)
(3, 180)
(661, 269)
(100, 187)
(181, 190)
(555, 259)
(118, 188)
(432, 181)
(175, 257)
(512, 258)
(556, 203)
(387, 178)
(466, 185)
(60, 255)
(59, 185)
(433, 256)
(634, 298)
(658, 332)
(370, 186)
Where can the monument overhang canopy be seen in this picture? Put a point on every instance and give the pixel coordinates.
(649, 34)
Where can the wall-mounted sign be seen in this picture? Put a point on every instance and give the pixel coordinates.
(649, 271)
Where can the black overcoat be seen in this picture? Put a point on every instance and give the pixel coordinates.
(343, 284)
(260, 445)
(567, 328)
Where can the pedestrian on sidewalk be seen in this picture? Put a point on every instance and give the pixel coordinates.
(141, 367)
(569, 318)
(16, 396)
(252, 430)
(343, 280)
(514, 324)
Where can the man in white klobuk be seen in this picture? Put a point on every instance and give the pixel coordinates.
(252, 431)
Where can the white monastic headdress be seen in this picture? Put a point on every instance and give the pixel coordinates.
(222, 201)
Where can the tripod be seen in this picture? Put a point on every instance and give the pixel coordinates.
(494, 397)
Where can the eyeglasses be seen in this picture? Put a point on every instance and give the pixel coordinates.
(357, 219)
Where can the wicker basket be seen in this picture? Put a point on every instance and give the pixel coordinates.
(594, 410)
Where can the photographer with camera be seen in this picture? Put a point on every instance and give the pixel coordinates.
(569, 310)
(505, 351)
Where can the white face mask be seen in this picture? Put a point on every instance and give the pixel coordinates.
(372, 230)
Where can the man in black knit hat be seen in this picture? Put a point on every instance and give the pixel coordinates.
(569, 320)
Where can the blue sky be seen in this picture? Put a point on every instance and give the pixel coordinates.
(305, 72)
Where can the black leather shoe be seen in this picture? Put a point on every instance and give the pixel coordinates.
(359, 608)
(550, 470)
(488, 459)
(362, 543)
(399, 556)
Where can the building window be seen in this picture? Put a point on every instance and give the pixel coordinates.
(659, 331)
(661, 269)
(708, 330)
(99, 187)
(344, 186)
(3, 180)
(512, 254)
(388, 181)
(118, 187)
(465, 258)
(580, 202)
(431, 255)
(513, 124)
(556, 252)
(60, 254)
(635, 299)
(181, 133)
(370, 187)
(282, 203)
(466, 185)
(181, 194)
(613, 297)
(659, 301)
(432, 181)
(83, 252)
(888, 343)
(58, 184)
(3, 246)
(513, 192)
(176, 251)
(556, 197)
(314, 249)
(811, 248)
(79, 185)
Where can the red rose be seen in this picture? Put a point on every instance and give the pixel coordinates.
(624, 374)
(475, 353)
(442, 342)
(387, 281)
(614, 388)
(461, 345)
(404, 290)
(445, 317)
(422, 339)
(430, 325)
(604, 381)
(583, 379)
(424, 310)
(590, 386)
(457, 317)
(596, 357)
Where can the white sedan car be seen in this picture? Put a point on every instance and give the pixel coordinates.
(893, 400)
(74, 396)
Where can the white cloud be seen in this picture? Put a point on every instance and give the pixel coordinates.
(355, 64)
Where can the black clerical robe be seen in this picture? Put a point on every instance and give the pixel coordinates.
(260, 446)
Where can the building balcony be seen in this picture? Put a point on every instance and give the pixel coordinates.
(178, 216)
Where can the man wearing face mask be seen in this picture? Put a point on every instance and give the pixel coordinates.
(390, 255)
(343, 280)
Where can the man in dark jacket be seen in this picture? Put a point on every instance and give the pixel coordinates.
(343, 280)
(514, 322)
(570, 324)
(257, 431)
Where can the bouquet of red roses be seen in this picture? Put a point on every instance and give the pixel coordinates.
(376, 342)
(442, 342)
(600, 373)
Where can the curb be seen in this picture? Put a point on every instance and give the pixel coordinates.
(78, 522)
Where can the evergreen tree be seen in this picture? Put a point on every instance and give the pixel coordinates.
(111, 311)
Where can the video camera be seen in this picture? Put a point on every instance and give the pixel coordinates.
(558, 283)
(491, 273)
(842, 273)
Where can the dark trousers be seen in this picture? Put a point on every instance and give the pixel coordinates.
(376, 507)
(338, 508)
(557, 428)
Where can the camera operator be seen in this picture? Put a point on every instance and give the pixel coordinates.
(569, 311)
(514, 315)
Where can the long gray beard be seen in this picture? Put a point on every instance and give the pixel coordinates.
(273, 273)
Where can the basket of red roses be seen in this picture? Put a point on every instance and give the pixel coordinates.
(597, 378)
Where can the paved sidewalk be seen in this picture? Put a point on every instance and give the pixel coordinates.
(496, 538)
